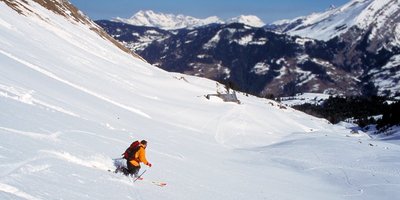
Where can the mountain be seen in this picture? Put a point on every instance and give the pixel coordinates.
(377, 19)
(250, 20)
(360, 58)
(166, 21)
(71, 101)
(250, 59)
(261, 62)
(150, 18)
(367, 30)
(69, 11)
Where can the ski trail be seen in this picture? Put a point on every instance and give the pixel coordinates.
(55, 77)
(16, 192)
(11, 168)
(26, 96)
(232, 118)
(98, 161)
(52, 137)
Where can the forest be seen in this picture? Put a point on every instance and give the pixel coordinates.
(363, 111)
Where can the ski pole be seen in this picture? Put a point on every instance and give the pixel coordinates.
(139, 175)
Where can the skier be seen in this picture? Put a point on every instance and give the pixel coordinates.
(139, 157)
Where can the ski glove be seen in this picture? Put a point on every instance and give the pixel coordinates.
(149, 164)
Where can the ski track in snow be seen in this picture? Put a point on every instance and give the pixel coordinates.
(40, 136)
(12, 168)
(53, 76)
(16, 192)
(97, 161)
(26, 96)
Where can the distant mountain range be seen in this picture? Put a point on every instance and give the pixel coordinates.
(170, 21)
(353, 49)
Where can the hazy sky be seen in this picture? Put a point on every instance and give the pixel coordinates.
(267, 10)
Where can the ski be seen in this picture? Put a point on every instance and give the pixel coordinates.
(140, 178)
(157, 183)
(161, 184)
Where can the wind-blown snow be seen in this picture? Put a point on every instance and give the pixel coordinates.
(71, 101)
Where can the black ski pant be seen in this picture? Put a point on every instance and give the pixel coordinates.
(133, 170)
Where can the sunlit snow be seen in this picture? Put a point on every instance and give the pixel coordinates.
(71, 101)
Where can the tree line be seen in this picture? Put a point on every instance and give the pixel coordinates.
(361, 110)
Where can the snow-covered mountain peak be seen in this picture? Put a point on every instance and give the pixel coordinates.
(331, 7)
(170, 21)
(167, 21)
(250, 20)
(377, 15)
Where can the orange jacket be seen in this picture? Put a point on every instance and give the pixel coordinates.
(140, 156)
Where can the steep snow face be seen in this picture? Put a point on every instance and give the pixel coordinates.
(71, 101)
(167, 21)
(363, 14)
(171, 22)
(65, 9)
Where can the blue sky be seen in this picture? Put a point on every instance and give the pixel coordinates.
(267, 10)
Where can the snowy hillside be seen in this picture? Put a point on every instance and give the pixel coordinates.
(71, 101)
(303, 98)
(363, 14)
(150, 18)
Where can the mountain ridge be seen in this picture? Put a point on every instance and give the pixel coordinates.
(364, 56)
(150, 18)
(68, 10)
(373, 16)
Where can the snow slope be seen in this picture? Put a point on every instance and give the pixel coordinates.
(71, 101)
(378, 15)
(303, 98)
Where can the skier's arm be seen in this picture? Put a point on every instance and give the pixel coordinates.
(142, 157)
